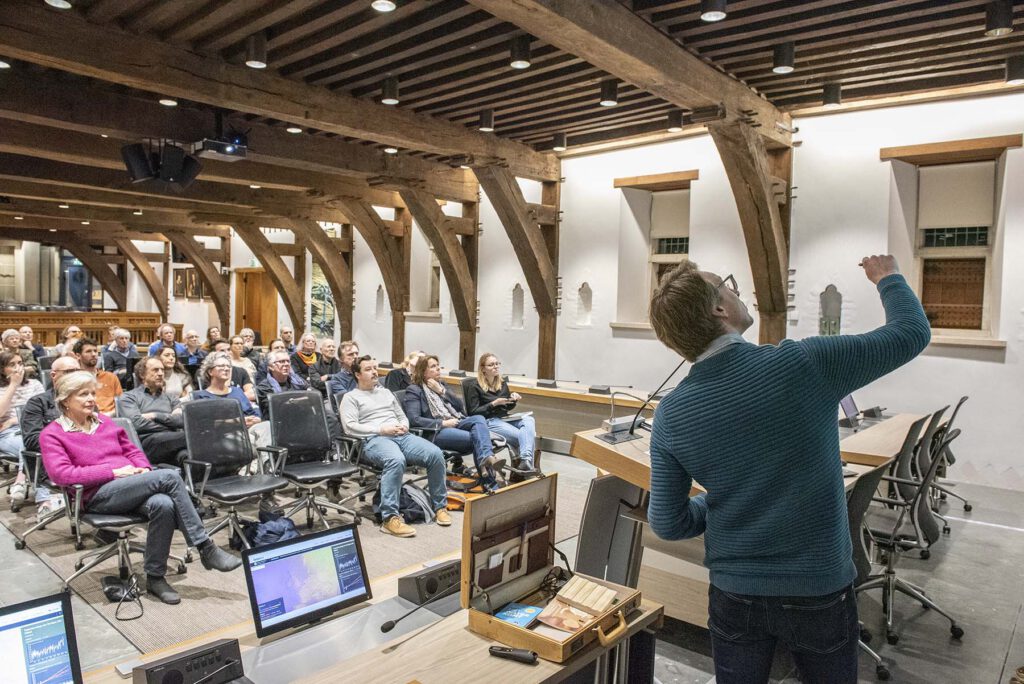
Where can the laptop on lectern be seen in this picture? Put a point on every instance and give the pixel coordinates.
(37, 642)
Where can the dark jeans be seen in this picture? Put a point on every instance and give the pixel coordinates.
(165, 447)
(471, 434)
(160, 496)
(820, 631)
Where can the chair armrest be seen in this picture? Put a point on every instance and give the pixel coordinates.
(901, 480)
(34, 460)
(278, 457)
(207, 467)
(427, 433)
(890, 502)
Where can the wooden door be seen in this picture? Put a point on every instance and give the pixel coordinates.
(255, 303)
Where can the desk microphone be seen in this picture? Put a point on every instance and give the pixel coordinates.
(390, 624)
(636, 418)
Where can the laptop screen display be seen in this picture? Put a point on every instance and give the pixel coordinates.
(37, 642)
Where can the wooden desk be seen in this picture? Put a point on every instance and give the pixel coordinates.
(672, 573)
(445, 652)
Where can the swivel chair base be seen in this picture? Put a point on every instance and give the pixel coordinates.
(233, 521)
(890, 584)
(19, 542)
(314, 504)
(122, 547)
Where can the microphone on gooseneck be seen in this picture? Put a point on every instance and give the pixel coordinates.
(390, 624)
(632, 426)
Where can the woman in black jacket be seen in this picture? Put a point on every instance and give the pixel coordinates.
(401, 377)
(430, 404)
(304, 362)
(488, 395)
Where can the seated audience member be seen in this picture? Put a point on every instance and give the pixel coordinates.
(11, 340)
(287, 336)
(155, 414)
(239, 361)
(327, 363)
(488, 395)
(239, 376)
(41, 410)
(429, 403)
(165, 338)
(108, 387)
(67, 340)
(281, 377)
(26, 341)
(216, 374)
(249, 349)
(276, 344)
(81, 447)
(400, 378)
(373, 413)
(177, 381)
(343, 380)
(117, 355)
(194, 353)
(212, 335)
(305, 358)
(15, 390)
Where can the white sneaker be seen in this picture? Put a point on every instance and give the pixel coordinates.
(17, 491)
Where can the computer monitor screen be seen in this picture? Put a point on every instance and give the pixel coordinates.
(301, 580)
(849, 407)
(37, 642)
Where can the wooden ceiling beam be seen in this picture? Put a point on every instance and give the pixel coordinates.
(145, 270)
(212, 279)
(43, 225)
(290, 292)
(609, 36)
(78, 245)
(82, 212)
(28, 32)
(268, 14)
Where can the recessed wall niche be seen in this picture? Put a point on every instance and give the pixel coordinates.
(517, 307)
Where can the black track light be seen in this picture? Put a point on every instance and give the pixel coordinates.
(712, 10)
(832, 95)
(59, 4)
(519, 52)
(559, 142)
(486, 121)
(389, 91)
(609, 93)
(256, 51)
(1015, 70)
(784, 57)
(675, 121)
(998, 18)
(383, 5)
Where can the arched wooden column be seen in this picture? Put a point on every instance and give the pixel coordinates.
(749, 168)
(458, 264)
(146, 272)
(336, 265)
(207, 271)
(392, 254)
(291, 293)
(536, 247)
(78, 245)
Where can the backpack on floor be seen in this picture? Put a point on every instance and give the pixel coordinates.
(413, 504)
(272, 527)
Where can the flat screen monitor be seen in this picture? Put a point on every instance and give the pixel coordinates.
(301, 580)
(37, 642)
(849, 407)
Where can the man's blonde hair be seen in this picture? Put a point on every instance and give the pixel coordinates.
(681, 311)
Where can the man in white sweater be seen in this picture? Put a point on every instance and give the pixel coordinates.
(373, 413)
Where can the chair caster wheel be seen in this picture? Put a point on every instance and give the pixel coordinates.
(188, 557)
(15, 508)
(79, 546)
(892, 637)
(78, 565)
(19, 544)
(865, 636)
(182, 569)
(926, 554)
(956, 632)
(358, 520)
(882, 672)
(942, 496)
(968, 507)
(945, 529)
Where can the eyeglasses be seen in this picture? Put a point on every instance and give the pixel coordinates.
(492, 364)
(730, 283)
(221, 366)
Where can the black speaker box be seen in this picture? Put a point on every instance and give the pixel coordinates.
(172, 162)
(425, 584)
(218, 662)
(138, 162)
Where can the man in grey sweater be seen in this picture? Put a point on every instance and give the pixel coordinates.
(373, 413)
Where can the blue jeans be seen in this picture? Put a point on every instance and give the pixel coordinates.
(820, 631)
(471, 434)
(392, 455)
(522, 434)
(11, 443)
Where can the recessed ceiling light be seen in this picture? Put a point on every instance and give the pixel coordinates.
(53, 230)
(4, 64)
(293, 129)
(464, 166)
(168, 102)
(19, 218)
(391, 150)
(59, 4)
(64, 205)
(383, 5)
(137, 212)
(254, 186)
(85, 223)
(104, 135)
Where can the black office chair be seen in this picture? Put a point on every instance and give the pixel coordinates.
(925, 524)
(298, 423)
(46, 363)
(120, 524)
(940, 490)
(889, 528)
(218, 446)
(857, 503)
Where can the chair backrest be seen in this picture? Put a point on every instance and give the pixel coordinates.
(400, 396)
(903, 466)
(949, 426)
(927, 525)
(298, 422)
(336, 403)
(920, 506)
(46, 362)
(464, 385)
(857, 503)
(215, 432)
(922, 457)
(126, 425)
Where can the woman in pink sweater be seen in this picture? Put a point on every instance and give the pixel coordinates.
(83, 447)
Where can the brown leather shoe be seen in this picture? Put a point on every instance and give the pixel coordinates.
(442, 517)
(397, 527)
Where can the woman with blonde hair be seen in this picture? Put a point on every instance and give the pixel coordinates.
(401, 377)
(86, 448)
(488, 395)
(238, 360)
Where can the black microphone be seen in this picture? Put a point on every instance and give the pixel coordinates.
(390, 624)
(632, 426)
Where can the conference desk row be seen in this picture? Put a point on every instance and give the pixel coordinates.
(615, 541)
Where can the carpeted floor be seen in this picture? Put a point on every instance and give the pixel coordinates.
(211, 600)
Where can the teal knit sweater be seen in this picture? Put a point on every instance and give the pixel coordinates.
(756, 427)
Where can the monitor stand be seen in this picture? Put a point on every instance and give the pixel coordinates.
(304, 652)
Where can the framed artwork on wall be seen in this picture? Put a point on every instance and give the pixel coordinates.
(179, 282)
(191, 284)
